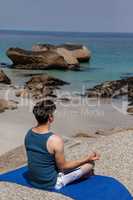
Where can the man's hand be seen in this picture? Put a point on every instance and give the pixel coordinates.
(58, 148)
(94, 156)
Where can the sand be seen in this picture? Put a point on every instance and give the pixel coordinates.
(70, 119)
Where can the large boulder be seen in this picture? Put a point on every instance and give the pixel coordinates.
(43, 47)
(46, 59)
(5, 104)
(79, 52)
(68, 57)
(82, 55)
(4, 78)
(41, 86)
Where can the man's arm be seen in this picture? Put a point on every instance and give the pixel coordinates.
(61, 162)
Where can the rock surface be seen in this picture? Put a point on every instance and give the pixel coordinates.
(4, 78)
(113, 89)
(5, 104)
(108, 89)
(49, 59)
(78, 52)
(82, 53)
(68, 57)
(130, 110)
(116, 161)
(17, 192)
(41, 86)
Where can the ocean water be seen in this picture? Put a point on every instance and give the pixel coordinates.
(112, 55)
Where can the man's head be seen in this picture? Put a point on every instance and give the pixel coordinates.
(43, 111)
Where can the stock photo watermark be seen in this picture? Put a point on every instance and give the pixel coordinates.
(75, 101)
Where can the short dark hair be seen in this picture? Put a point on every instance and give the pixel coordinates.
(43, 109)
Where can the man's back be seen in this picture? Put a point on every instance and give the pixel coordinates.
(42, 166)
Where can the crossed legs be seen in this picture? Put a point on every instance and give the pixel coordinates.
(79, 173)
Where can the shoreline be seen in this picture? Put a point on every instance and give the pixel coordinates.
(70, 120)
(79, 115)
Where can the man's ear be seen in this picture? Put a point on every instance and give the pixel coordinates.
(51, 118)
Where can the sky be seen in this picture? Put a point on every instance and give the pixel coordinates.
(67, 15)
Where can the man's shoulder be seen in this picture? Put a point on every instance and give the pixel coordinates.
(57, 141)
(56, 137)
(27, 136)
(28, 132)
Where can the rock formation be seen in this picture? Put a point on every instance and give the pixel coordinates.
(49, 59)
(42, 86)
(114, 89)
(68, 57)
(4, 78)
(130, 110)
(79, 52)
(5, 104)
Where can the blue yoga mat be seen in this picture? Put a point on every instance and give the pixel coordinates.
(93, 188)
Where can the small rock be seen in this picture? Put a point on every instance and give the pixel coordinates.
(22, 93)
(4, 78)
(130, 110)
(5, 104)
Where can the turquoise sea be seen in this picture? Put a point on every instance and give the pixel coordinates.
(112, 55)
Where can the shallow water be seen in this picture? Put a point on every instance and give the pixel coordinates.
(112, 55)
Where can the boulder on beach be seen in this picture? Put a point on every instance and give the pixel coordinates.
(4, 78)
(114, 89)
(41, 86)
(80, 52)
(7, 104)
(50, 59)
(130, 110)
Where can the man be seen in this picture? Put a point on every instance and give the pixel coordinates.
(47, 165)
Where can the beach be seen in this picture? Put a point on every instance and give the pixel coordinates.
(71, 118)
(85, 124)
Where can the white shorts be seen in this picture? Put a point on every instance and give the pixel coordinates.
(64, 179)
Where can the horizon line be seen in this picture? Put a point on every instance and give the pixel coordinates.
(61, 31)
